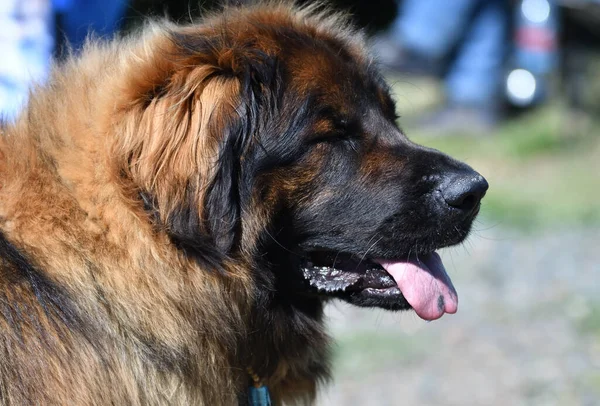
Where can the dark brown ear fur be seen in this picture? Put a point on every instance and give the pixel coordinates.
(208, 101)
(181, 151)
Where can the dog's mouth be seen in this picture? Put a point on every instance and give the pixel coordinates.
(420, 283)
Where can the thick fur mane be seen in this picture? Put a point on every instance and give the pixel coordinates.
(176, 207)
(127, 276)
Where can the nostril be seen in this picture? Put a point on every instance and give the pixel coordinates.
(465, 193)
(464, 202)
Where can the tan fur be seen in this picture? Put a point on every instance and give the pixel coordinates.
(71, 169)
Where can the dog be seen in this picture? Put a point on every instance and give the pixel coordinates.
(177, 207)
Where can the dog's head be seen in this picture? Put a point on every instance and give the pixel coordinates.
(269, 137)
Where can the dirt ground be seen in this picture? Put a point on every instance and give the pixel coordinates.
(527, 331)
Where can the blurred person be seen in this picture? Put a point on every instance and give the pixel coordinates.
(27, 40)
(473, 36)
(26, 44)
(78, 18)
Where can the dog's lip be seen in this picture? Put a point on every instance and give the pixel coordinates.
(335, 278)
(422, 282)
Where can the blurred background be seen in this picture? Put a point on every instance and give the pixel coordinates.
(513, 89)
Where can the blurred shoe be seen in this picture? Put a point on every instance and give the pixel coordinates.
(392, 56)
(457, 120)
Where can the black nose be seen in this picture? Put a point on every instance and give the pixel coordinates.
(464, 190)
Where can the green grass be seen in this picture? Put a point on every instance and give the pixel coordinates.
(369, 351)
(540, 174)
(590, 323)
(537, 176)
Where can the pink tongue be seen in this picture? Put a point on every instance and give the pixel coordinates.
(425, 285)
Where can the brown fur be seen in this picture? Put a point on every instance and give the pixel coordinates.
(128, 319)
(172, 206)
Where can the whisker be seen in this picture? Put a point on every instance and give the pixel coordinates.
(368, 249)
(278, 243)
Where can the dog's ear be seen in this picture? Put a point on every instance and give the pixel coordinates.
(206, 221)
(243, 76)
(183, 144)
(180, 153)
(220, 202)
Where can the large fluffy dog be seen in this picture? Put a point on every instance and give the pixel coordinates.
(176, 208)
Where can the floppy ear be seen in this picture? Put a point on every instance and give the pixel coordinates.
(220, 201)
(234, 124)
(193, 109)
(182, 150)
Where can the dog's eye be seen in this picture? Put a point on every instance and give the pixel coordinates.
(336, 138)
(329, 117)
(333, 128)
(330, 136)
(341, 124)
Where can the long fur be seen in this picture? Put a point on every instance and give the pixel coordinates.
(163, 196)
(125, 275)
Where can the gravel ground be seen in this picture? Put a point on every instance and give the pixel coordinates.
(527, 331)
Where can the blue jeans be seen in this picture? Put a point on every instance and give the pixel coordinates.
(82, 17)
(476, 29)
